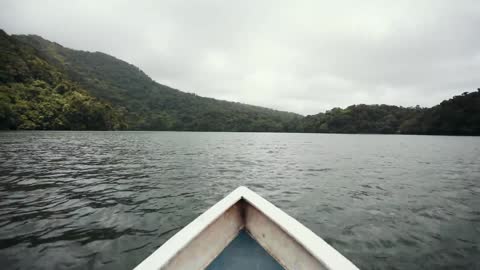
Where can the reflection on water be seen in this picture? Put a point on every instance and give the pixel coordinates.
(108, 199)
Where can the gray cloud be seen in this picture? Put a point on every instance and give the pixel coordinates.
(303, 57)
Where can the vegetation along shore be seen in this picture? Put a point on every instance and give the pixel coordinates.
(45, 86)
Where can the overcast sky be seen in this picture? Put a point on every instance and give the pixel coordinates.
(300, 56)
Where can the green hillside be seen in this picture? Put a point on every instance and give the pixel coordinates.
(457, 116)
(152, 106)
(36, 95)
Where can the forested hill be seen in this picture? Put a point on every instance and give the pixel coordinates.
(34, 94)
(144, 104)
(457, 116)
(44, 85)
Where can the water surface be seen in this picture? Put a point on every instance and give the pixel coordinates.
(106, 200)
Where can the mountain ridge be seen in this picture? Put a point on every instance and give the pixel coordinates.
(147, 104)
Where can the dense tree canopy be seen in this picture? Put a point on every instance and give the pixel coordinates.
(46, 86)
(36, 95)
(459, 115)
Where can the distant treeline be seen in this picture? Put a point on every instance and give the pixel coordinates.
(46, 86)
(457, 116)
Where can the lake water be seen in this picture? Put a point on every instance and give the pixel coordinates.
(106, 200)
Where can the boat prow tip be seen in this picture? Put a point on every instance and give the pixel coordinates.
(242, 188)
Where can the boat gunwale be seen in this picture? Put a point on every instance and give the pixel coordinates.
(316, 246)
(162, 256)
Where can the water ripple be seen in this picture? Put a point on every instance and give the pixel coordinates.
(107, 200)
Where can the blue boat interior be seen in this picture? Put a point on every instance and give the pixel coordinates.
(244, 253)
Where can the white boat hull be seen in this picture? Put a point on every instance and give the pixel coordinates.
(290, 243)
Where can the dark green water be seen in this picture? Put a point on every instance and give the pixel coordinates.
(106, 200)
